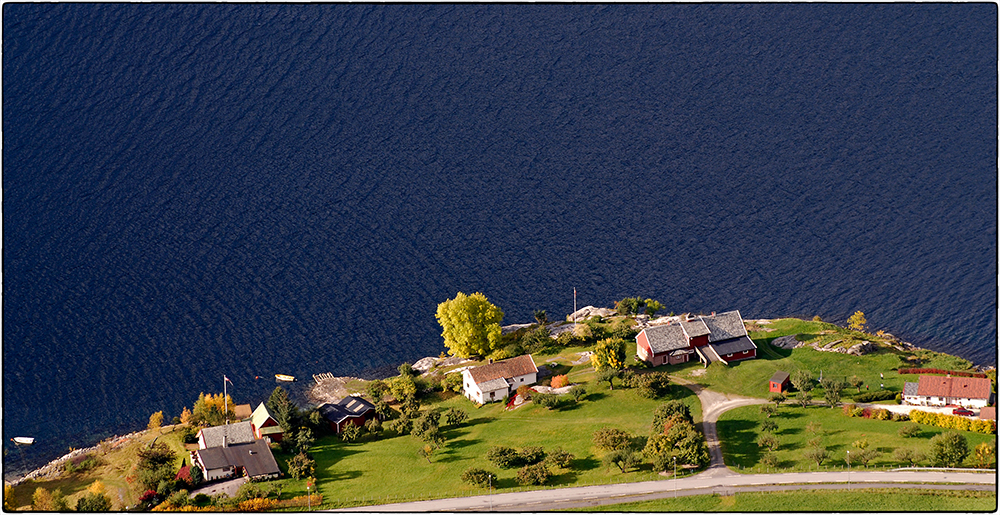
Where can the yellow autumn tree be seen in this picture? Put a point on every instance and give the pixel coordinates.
(470, 323)
(97, 487)
(857, 321)
(186, 416)
(155, 420)
(609, 353)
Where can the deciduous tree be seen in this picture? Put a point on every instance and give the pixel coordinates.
(155, 421)
(609, 353)
(652, 307)
(949, 449)
(832, 389)
(985, 454)
(857, 322)
(470, 323)
(802, 380)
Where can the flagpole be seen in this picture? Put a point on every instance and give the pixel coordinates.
(574, 305)
(225, 398)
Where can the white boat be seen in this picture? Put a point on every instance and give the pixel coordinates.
(23, 440)
(284, 377)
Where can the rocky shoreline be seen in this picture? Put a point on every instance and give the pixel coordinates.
(55, 467)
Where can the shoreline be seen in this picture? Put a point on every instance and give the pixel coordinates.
(334, 388)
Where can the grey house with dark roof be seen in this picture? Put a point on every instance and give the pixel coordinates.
(718, 337)
(227, 434)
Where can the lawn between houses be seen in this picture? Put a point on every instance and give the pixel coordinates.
(387, 469)
(739, 428)
(750, 377)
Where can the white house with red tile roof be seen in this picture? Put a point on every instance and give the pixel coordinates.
(495, 381)
(969, 392)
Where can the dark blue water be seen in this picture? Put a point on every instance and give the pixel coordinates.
(198, 190)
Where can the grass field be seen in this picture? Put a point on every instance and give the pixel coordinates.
(739, 428)
(750, 377)
(877, 499)
(353, 474)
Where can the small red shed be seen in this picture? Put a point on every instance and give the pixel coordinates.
(779, 382)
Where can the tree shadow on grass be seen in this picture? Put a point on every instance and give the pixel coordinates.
(459, 444)
(568, 406)
(588, 463)
(342, 475)
(789, 414)
(595, 396)
(566, 478)
(790, 431)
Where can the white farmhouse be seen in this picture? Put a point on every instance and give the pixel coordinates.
(495, 381)
(968, 392)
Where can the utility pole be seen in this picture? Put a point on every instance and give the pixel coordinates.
(675, 475)
(848, 470)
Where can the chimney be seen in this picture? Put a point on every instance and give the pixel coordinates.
(225, 442)
(489, 361)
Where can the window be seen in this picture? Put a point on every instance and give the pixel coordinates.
(746, 352)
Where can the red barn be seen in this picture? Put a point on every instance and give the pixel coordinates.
(719, 337)
(779, 382)
(264, 424)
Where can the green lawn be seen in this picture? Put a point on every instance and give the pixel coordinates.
(739, 428)
(875, 499)
(750, 377)
(354, 474)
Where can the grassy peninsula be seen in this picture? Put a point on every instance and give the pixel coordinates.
(353, 473)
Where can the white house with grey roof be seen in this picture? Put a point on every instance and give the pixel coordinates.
(495, 381)
(718, 337)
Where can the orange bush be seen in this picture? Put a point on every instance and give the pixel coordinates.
(559, 381)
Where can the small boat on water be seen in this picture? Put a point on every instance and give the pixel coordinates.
(23, 440)
(284, 377)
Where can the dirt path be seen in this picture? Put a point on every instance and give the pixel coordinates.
(714, 404)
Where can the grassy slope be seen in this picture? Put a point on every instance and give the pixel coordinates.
(115, 466)
(739, 428)
(820, 501)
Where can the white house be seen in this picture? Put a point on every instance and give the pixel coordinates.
(969, 392)
(495, 381)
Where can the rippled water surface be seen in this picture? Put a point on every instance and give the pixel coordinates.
(198, 190)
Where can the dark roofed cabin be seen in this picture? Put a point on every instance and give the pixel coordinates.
(349, 410)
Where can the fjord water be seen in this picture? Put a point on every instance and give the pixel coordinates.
(198, 190)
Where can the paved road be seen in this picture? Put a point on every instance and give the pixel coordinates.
(703, 483)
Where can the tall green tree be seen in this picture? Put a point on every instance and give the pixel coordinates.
(541, 317)
(802, 380)
(949, 449)
(470, 323)
(284, 410)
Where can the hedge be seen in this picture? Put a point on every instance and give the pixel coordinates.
(958, 373)
(976, 425)
(883, 395)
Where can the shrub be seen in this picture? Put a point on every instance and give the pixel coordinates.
(769, 459)
(479, 477)
(201, 500)
(624, 459)
(611, 439)
(817, 454)
(882, 395)
(628, 378)
(559, 381)
(577, 392)
(452, 382)
(524, 392)
(652, 385)
(880, 414)
(301, 465)
(949, 449)
(258, 504)
(559, 458)
(900, 417)
(455, 416)
(663, 412)
(547, 400)
(858, 411)
(503, 456)
(351, 433)
(536, 474)
(400, 426)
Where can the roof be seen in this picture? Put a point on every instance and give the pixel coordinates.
(724, 326)
(909, 389)
(694, 328)
(955, 387)
(493, 385)
(665, 338)
(242, 411)
(260, 415)
(237, 433)
(348, 407)
(989, 412)
(508, 368)
(255, 457)
(779, 377)
(732, 346)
